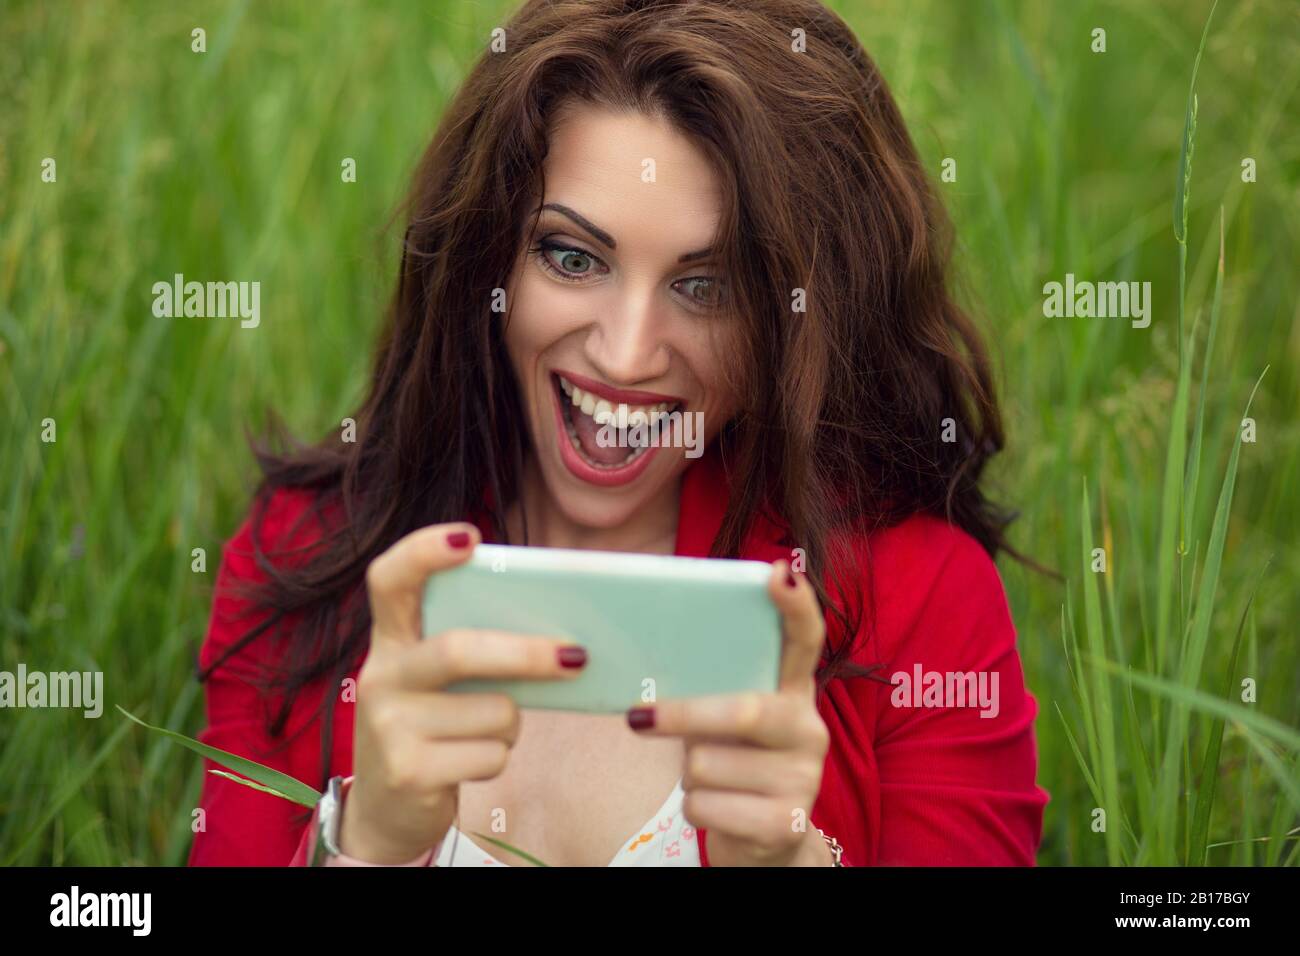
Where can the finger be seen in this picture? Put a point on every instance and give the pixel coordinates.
(437, 716)
(778, 721)
(803, 629)
(468, 653)
(768, 823)
(395, 579)
(716, 766)
(445, 763)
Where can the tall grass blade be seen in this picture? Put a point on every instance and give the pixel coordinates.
(291, 788)
(1199, 700)
(506, 846)
(1194, 456)
(1193, 649)
(1210, 763)
(1105, 720)
(1185, 155)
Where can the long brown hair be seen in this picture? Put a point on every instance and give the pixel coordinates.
(846, 403)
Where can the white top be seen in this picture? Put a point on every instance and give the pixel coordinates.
(666, 839)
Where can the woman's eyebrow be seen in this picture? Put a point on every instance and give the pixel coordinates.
(697, 254)
(599, 234)
(603, 237)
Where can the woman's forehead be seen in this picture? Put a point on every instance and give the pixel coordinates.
(631, 170)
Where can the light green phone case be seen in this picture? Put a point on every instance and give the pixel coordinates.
(655, 626)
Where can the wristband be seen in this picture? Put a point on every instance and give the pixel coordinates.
(326, 823)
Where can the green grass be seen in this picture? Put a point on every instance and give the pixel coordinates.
(226, 164)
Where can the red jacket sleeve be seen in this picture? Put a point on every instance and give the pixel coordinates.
(956, 776)
(242, 826)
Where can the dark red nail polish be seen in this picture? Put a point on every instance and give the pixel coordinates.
(790, 582)
(641, 718)
(458, 539)
(572, 656)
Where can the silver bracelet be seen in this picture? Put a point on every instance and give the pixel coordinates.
(837, 851)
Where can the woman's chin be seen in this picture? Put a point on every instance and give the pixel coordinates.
(606, 508)
(602, 508)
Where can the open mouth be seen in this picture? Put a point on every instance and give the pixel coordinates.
(608, 435)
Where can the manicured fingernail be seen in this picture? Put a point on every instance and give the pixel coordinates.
(790, 582)
(458, 539)
(572, 656)
(641, 718)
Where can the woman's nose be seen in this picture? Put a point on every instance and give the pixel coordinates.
(629, 343)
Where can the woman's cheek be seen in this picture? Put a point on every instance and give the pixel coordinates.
(546, 314)
(722, 403)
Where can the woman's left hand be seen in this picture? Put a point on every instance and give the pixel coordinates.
(753, 760)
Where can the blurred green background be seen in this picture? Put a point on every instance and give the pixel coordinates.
(226, 164)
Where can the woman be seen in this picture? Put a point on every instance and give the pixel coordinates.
(702, 207)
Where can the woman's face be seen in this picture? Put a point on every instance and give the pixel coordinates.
(615, 295)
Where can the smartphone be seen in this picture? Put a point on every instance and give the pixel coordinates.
(654, 626)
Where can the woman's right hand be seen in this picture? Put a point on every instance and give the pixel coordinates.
(414, 743)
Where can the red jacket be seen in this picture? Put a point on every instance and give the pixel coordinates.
(903, 784)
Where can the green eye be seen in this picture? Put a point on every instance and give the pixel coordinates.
(574, 261)
(566, 262)
(704, 291)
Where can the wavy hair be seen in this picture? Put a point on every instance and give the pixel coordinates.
(844, 403)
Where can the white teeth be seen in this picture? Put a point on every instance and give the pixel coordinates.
(622, 416)
(605, 412)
